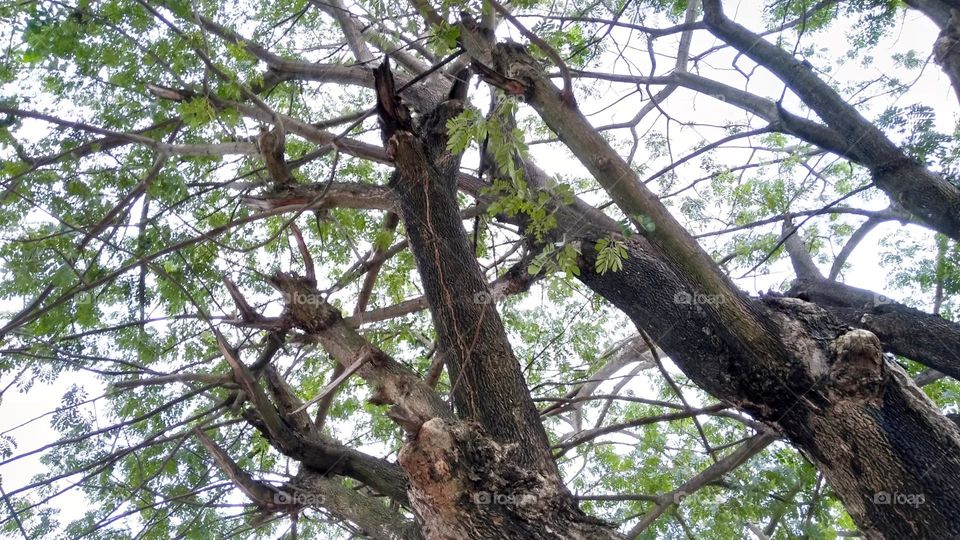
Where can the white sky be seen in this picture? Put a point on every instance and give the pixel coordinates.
(932, 88)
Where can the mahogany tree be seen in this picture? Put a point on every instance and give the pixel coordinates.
(385, 269)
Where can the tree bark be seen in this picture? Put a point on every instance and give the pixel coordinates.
(491, 474)
(923, 337)
(814, 375)
(825, 386)
(946, 50)
(934, 200)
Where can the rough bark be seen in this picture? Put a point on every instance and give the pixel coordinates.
(946, 50)
(787, 362)
(471, 334)
(859, 418)
(926, 338)
(821, 383)
(374, 518)
(934, 200)
(492, 474)
(820, 426)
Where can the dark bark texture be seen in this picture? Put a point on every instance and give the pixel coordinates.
(823, 384)
(927, 195)
(491, 474)
(810, 365)
(946, 50)
(905, 331)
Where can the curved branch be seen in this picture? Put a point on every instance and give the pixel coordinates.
(929, 196)
(923, 337)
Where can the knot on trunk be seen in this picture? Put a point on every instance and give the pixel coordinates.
(947, 43)
(433, 463)
(857, 369)
(305, 306)
(447, 460)
(464, 484)
(271, 144)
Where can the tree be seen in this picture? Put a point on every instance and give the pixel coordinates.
(196, 192)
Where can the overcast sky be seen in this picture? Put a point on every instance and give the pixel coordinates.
(932, 88)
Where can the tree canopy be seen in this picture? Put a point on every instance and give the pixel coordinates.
(386, 269)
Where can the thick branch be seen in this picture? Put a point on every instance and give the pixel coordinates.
(392, 382)
(923, 337)
(696, 273)
(934, 200)
(374, 518)
(296, 437)
(483, 369)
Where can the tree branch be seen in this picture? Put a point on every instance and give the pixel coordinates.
(927, 195)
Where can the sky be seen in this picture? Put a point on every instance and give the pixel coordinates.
(914, 32)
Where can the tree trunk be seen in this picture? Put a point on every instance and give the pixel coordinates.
(490, 475)
(891, 456)
(813, 373)
(946, 50)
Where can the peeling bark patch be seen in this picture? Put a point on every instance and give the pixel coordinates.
(304, 305)
(798, 329)
(465, 485)
(429, 459)
(857, 369)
